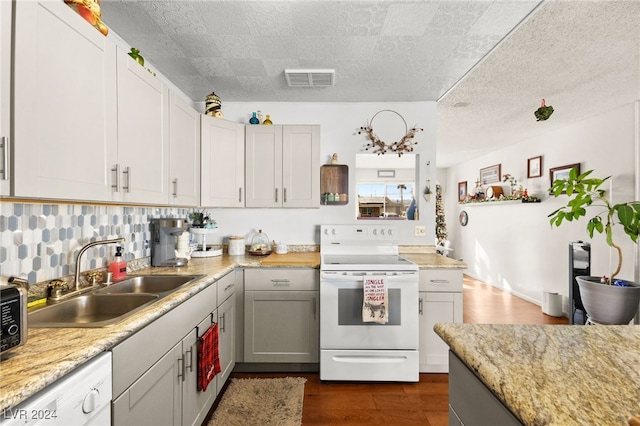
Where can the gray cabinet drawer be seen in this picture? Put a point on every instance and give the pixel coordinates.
(281, 279)
(441, 280)
(226, 287)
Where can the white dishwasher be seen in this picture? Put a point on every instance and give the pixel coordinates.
(82, 397)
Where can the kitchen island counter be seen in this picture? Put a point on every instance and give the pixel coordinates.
(554, 374)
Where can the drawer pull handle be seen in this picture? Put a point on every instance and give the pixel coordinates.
(440, 281)
(229, 287)
(281, 282)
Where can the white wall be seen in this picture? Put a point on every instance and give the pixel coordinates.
(339, 125)
(512, 246)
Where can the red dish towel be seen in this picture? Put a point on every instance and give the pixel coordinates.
(208, 357)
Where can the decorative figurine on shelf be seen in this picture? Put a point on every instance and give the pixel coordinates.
(212, 104)
(254, 119)
(90, 12)
(135, 54)
(267, 121)
(260, 116)
(334, 158)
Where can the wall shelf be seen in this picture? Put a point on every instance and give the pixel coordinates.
(334, 184)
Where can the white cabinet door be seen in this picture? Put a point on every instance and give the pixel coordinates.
(155, 398)
(195, 404)
(64, 118)
(222, 163)
(143, 141)
(264, 166)
(227, 339)
(6, 25)
(433, 308)
(283, 166)
(281, 326)
(301, 166)
(184, 152)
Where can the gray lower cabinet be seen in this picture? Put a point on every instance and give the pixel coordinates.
(471, 402)
(155, 372)
(227, 327)
(440, 300)
(281, 315)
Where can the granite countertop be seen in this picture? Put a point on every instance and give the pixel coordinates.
(434, 261)
(50, 353)
(554, 374)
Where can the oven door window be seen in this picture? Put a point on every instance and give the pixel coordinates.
(350, 307)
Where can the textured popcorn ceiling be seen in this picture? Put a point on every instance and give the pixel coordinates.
(582, 56)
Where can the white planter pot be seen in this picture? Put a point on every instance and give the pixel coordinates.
(608, 304)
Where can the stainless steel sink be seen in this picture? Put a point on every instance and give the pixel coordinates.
(109, 305)
(93, 310)
(155, 284)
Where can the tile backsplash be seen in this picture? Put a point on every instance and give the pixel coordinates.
(41, 241)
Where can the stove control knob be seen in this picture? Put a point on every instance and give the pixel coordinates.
(382, 231)
(389, 232)
(375, 232)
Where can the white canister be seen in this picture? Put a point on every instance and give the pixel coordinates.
(281, 248)
(236, 246)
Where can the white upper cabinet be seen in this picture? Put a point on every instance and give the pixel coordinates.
(283, 166)
(141, 173)
(64, 117)
(222, 163)
(5, 92)
(184, 149)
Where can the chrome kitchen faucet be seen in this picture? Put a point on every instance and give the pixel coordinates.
(76, 278)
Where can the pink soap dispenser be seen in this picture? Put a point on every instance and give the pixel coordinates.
(118, 267)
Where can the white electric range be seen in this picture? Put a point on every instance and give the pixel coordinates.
(351, 348)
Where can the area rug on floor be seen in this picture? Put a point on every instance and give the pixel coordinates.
(265, 402)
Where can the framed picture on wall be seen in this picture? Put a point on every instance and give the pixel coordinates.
(534, 167)
(490, 174)
(561, 172)
(462, 191)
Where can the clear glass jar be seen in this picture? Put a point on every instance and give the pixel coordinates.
(260, 244)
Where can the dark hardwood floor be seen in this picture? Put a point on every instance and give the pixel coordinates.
(424, 403)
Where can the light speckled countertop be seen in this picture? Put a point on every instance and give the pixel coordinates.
(50, 353)
(555, 374)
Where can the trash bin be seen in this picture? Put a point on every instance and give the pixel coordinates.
(552, 304)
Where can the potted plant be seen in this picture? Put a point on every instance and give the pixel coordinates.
(426, 194)
(201, 219)
(610, 301)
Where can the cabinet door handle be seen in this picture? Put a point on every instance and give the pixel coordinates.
(314, 309)
(276, 195)
(4, 141)
(127, 172)
(440, 281)
(284, 195)
(175, 187)
(116, 178)
(224, 323)
(190, 366)
(181, 368)
(420, 306)
(281, 282)
(229, 287)
(240, 194)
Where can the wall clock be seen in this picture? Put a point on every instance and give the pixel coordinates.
(464, 218)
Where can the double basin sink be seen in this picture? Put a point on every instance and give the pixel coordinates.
(109, 305)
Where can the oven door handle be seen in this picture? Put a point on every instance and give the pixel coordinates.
(360, 278)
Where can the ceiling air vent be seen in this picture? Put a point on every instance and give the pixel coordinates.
(310, 78)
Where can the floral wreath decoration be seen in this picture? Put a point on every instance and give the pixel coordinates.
(379, 147)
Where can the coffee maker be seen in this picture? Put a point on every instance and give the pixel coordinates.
(164, 233)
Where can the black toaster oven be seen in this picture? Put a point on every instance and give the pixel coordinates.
(13, 313)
